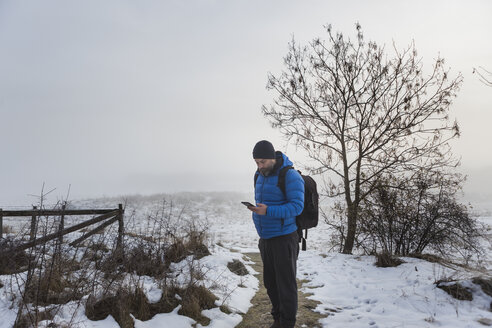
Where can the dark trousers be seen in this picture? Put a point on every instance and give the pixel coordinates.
(279, 256)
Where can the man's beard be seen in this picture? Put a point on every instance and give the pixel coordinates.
(267, 170)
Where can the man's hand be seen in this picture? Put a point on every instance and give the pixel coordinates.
(260, 209)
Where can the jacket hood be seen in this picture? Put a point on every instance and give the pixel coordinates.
(281, 161)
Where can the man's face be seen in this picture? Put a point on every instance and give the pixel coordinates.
(265, 166)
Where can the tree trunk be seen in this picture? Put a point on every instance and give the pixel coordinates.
(351, 227)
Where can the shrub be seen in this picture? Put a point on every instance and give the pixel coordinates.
(486, 285)
(49, 287)
(54, 278)
(31, 319)
(126, 301)
(237, 267)
(180, 249)
(176, 252)
(405, 217)
(194, 300)
(455, 290)
(118, 306)
(6, 229)
(144, 259)
(11, 259)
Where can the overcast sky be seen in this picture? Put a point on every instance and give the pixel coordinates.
(123, 97)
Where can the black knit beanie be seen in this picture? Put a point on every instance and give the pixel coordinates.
(264, 149)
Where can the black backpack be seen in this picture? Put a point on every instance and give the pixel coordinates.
(309, 216)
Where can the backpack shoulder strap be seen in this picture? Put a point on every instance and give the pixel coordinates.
(256, 178)
(281, 177)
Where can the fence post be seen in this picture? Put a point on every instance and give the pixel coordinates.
(62, 224)
(119, 242)
(1, 223)
(33, 225)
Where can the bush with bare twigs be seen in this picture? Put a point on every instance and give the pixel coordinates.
(415, 215)
(104, 280)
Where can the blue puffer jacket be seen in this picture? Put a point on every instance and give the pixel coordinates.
(282, 210)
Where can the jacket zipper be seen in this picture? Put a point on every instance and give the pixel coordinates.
(261, 201)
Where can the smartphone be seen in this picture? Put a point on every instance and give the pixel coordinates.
(247, 204)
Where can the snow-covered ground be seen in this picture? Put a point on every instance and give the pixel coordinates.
(352, 291)
(356, 293)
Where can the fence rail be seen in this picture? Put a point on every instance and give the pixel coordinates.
(110, 215)
(54, 212)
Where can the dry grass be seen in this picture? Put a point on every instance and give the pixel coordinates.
(117, 306)
(176, 252)
(486, 284)
(55, 284)
(11, 260)
(32, 319)
(122, 304)
(149, 239)
(441, 260)
(48, 288)
(386, 260)
(428, 257)
(194, 300)
(98, 247)
(144, 261)
(196, 244)
(95, 252)
(49, 284)
(181, 248)
(148, 259)
(6, 229)
(237, 267)
(455, 290)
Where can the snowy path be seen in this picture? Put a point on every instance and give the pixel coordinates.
(259, 315)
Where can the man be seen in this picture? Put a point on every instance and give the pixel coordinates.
(275, 220)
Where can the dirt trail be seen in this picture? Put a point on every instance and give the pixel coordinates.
(259, 315)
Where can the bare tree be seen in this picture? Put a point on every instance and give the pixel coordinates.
(484, 75)
(360, 114)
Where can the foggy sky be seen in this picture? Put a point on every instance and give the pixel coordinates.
(122, 97)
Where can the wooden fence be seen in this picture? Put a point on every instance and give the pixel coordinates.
(110, 216)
